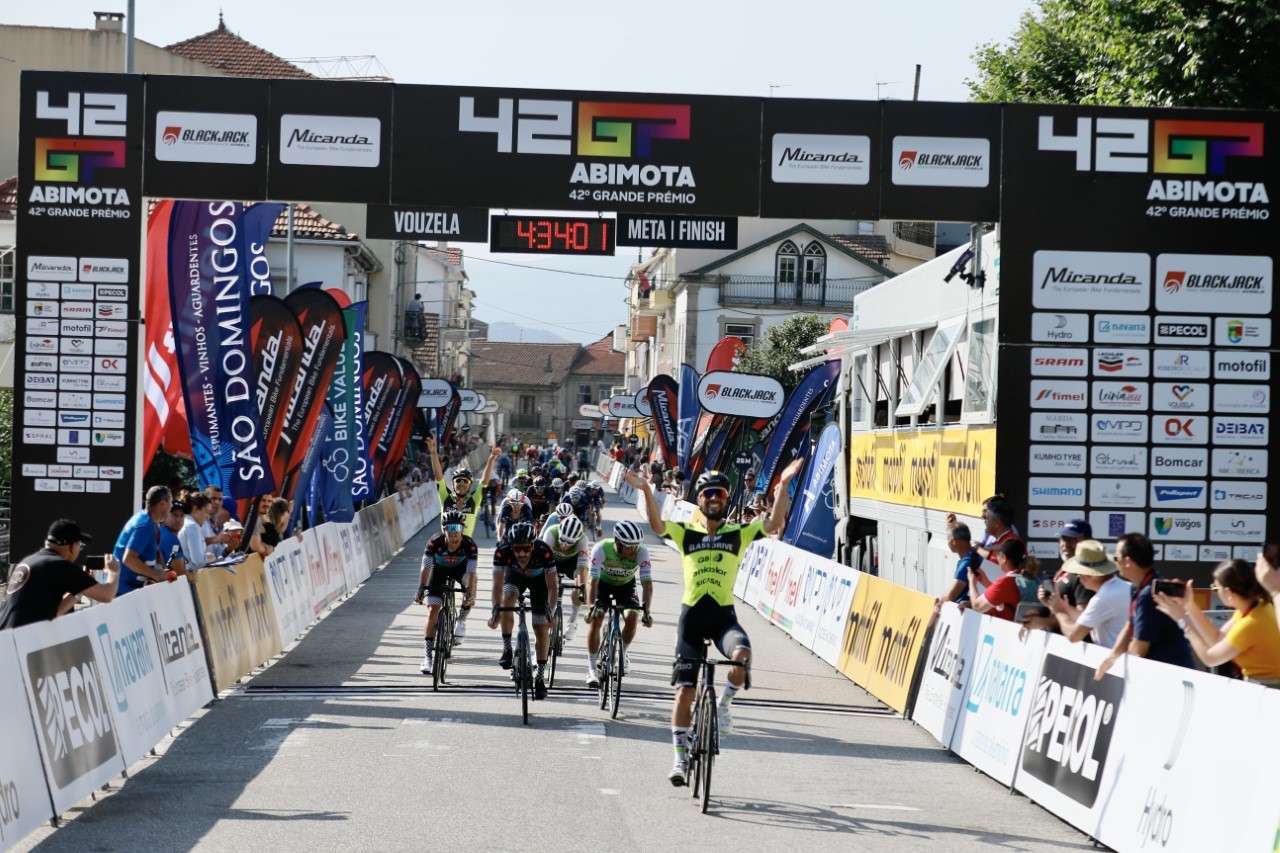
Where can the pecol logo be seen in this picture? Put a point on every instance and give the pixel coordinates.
(1119, 281)
(1242, 332)
(813, 158)
(1214, 283)
(1253, 431)
(1127, 429)
(1191, 331)
(1121, 329)
(311, 140)
(1128, 396)
(1111, 362)
(1059, 328)
(941, 161)
(1226, 494)
(1059, 427)
(1055, 361)
(1241, 365)
(1050, 459)
(112, 292)
(1110, 460)
(1174, 364)
(183, 137)
(740, 394)
(1048, 394)
(1242, 399)
(72, 717)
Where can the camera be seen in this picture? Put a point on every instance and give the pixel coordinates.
(1029, 608)
(1174, 589)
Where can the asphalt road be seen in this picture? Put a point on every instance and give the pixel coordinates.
(342, 745)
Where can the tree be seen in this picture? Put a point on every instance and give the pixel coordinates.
(780, 349)
(6, 436)
(1186, 53)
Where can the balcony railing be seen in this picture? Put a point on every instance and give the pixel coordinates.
(920, 233)
(835, 293)
(533, 421)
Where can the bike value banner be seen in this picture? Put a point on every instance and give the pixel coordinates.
(209, 303)
(323, 333)
(362, 473)
(664, 399)
(334, 492)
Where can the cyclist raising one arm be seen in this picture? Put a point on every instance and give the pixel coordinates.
(616, 564)
(711, 556)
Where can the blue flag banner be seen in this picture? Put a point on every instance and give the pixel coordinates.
(687, 412)
(259, 219)
(302, 494)
(339, 450)
(816, 479)
(813, 392)
(818, 535)
(209, 300)
(361, 470)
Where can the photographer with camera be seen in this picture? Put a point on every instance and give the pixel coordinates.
(1251, 638)
(1106, 614)
(1148, 633)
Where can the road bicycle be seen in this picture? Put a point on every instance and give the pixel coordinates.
(522, 661)
(557, 631)
(609, 665)
(704, 729)
(446, 623)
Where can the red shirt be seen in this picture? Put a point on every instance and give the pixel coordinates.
(1003, 596)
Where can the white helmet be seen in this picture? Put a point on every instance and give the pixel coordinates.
(570, 529)
(515, 495)
(557, 483)
(564, 510)
(627, 533)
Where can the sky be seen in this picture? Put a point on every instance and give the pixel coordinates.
(842, 49)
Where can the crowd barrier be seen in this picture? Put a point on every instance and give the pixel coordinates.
(86, 695)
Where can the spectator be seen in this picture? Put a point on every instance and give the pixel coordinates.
(1148, 633)
(1016, 585)
(1250, 639)
(997, 518)
(256, 544)
(44, 585)
(276, 524)
(171, 555)
(1068, 584)
(192, 537)
(413, 316)
(1107, 612)
(960, 543)
(138, 546)
(1266, 573)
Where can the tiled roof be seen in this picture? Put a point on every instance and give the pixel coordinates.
(9, 198)
(599, 359)
(452, 256)
(227, 52)
(873, 246)
(494, 363)
(309, 225)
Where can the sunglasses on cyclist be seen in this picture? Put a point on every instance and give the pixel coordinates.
(714, 493)
(453, 528)
(522, 549)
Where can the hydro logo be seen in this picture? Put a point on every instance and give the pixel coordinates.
(1069, 733)
(1059, 328)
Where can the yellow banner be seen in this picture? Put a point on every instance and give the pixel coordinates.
(239, 619)
(952, 470)
(884, 638)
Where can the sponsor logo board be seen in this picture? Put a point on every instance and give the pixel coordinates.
(1237, 527)
(1116, 281)
(108, 270)
(312, 140)
(1059, 361)
(1121, 363)
(1057, 394)
(1056, 491)
(1216, 284)
(1180, 364)
(1242, 332)
(1233, 494)
(1244, 399)
(73, 720)
(1178, 494)
(941, 161)
(1118, 493)
(1241, 365)
(1238, 462)
(77, 291)
(1168, 461)
(1117, 459)
(1178, 526)
(1251, 431)
(51, 268)
(186, 137)
(1121, 329)
(1059, 427)
(1179, 429)
(1185, 330)
(1119, 428)
(1120, 396)
(1180, 397)
(1059, 328)
(1055, 459)
(812, 158)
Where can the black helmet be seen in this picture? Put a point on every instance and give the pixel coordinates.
(462, 473)
(539, 482)
(452, 516)
(711, 479)
(521, 533)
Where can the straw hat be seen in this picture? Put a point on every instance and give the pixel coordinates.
(1091, 559)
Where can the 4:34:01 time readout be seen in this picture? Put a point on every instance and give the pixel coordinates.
(552, 235)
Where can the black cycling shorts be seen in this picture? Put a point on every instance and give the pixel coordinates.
(568, 567)
(535, 586)
(439, 578)
(623, 593)
(705, 620)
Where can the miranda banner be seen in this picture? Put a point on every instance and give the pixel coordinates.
(382, 380)
(277, 351)
(209, 301)
(663, 395)
(323, 333)
(810, 499)
(445, 417)
(401, 423)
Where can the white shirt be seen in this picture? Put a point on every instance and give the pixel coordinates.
(1108, 611)
(191, 538)
(207, 531)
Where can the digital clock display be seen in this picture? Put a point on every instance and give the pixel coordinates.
(552, 235)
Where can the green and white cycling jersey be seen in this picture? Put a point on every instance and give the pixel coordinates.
(566, 551)
(608, 567)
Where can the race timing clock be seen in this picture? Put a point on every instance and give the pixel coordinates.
(552, 235)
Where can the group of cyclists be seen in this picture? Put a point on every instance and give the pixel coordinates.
(543, 541)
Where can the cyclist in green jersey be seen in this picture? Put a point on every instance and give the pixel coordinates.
(710, 555)
(616, 565)
(569, 549)
(462, 497)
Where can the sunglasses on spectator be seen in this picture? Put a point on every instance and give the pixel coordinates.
(522, 549)
(713, 493)
(453, 528)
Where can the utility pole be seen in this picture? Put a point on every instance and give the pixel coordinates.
(128, 37)
(915, 95)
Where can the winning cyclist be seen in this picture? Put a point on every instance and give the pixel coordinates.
(514, 509)
(462, 497)
(525, 564)
(570, 552)
(710, 556)
(615, 565)
(450, 555)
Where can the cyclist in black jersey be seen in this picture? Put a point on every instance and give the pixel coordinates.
(525, 564)
(711, 555)
(450, 555)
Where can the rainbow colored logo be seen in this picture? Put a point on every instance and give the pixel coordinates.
(76, 160)
(627, 130)
(1202, 147)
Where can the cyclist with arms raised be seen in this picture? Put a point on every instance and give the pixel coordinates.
(616, 565)
(450, 555)
(711, 556)
(570, 552)
(525, 564)
(462, 497)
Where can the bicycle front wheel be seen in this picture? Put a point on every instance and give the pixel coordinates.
(525, 678)
(557, 646)
(605, 668)
(444, 636)
(615, 676)
(710, 747)
(693, 749)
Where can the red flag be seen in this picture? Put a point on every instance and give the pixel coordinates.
(839, 324)
(162, 411)
(725, 354)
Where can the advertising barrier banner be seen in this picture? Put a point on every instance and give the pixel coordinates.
(239, 622)
(950, 470)
(835, 587)
(24, 800)
(884, 639)
(947, 667)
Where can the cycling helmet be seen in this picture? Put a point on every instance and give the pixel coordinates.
(452, 516)
(463, 473)
(711, 479)
(521, 533)
(539, 482)
(576, 494)
(523, 472)
(564, 510)
(570, 529)
(557, 483)
(515, 495)
(573, 478)
(627, 533)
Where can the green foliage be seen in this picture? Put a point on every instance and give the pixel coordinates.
(1186, 53)
(781, 347)
(6, 435)
(166, 468)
